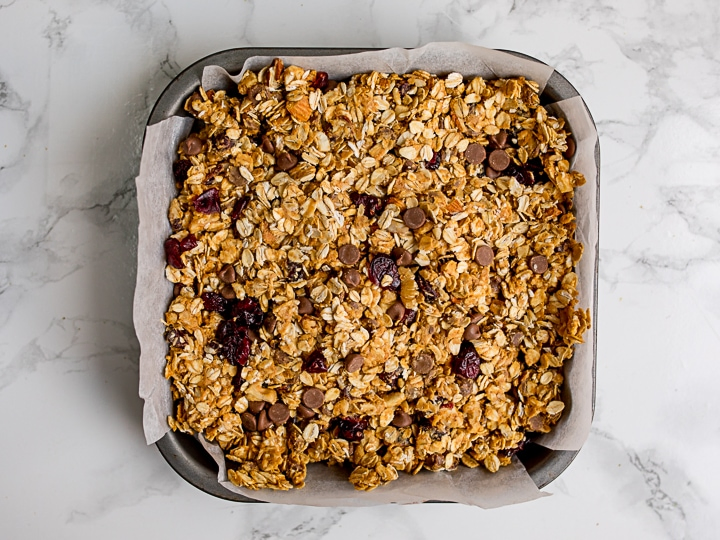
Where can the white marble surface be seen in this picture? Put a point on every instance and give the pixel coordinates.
(77, 80)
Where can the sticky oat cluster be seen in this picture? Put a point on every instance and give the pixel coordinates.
(376, 273)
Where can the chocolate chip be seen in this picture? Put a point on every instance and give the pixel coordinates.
(270, 322)
(491, 173)
(466, 387)
(475, 153)
(499, 140)
(571, 147)
(354, 362)
(414, 218)
(304, 412)
(495, 284)
(227, 292)
(177, 288)
(263, 422)
(235, 177)
(256, 406)
(476, 318)
(255, 91)
(278, 413)
(351, 278)
(484, 255)
(267, 145)
(423, 363)
(401, 419)
(348, 254)
(538, 264)
(402, 256)
(472, 331)
(227, 274)
(192, 146)
(286, 161)
(252, 334)
(396, 311)
(517, 338)
(313, 398)
(249, 422)
(305, 307)
(499, 160)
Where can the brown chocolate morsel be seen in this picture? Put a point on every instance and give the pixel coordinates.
(286, 161)
(475, 153)
(270, 322)
(227, 274)
(517, 338)
(263, 422)
(192, 146)
(255, 91)
(256, 406)
(304, 412)
(571, 147)
(499, 160)
(472, 331)
(414, 218)
(233, 174)
(278, 413)
(227, 292)
(313, 398)
(305, 306)
(177, 288)
(402, 256)
(423, 363)
(396, 311)
(499, 140)
(351, 278)
(491, 173)
(538, 264)
(484, 255)
(348, 254)
(332, 84)
(354, 362)
(466, 387)
(476, 318)
(401, 419)
(252, 334)
(495, 284)
(267, 146)
(249, 422)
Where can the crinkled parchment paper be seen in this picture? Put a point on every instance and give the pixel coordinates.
(327, 486)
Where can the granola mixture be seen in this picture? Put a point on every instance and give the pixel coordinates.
(376, 273)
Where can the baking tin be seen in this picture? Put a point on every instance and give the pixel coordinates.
(183, 452)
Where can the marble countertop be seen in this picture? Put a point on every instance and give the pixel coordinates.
(77, 81)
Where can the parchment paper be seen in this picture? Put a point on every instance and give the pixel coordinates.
(328, 486)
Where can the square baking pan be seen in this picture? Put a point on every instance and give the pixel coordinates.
(183, 452)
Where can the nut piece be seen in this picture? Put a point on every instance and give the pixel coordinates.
(423, 363)
(354, 362)
(348, 254)
(414, 218)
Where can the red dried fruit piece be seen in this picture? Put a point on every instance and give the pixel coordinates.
(180, 169)
(213, 301)
(373, 205)
(447, 405)
(351, 428)
(410, 316)
(239, 207)
(425, 288)
(510, 452)
(295, 271)
(172, 253)
(247, 312)
(315, 363)
(382, 266)
(188, 243)
(321, 80)
(467, 362)
(434, 163)
(208, 202)
(234, 342)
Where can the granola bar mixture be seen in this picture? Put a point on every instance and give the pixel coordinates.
(377, 273)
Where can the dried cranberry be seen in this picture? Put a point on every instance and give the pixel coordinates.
(223, 142)
(172, 253)
(208, 202)
(180, 169)
(315, 363)
(188, 243)
(510, 452)
(234, 342)
(373, 205)
(248, 313)
(434, 163)
(410, 316)
(523, 176)
(295, 271)
(351, 428)
(321, 80)
(425, 288)
(391, 377)
(237, 380)
(239, 207)
(403, 88)
(382, 266)
(213, 301)
(447, 405)
(467, 362)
